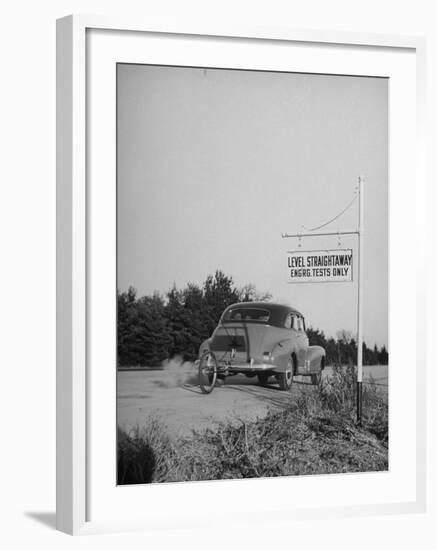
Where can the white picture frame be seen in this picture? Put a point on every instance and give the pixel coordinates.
(74, 341)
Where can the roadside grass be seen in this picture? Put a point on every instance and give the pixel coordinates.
(316, 434)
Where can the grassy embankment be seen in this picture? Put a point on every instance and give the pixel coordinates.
(315, 434)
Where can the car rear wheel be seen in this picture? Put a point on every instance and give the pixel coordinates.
(263, 378)
(207, 372)
(285, 379)
(316, 378)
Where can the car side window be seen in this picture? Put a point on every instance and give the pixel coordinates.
(294, 322)
(288, 321)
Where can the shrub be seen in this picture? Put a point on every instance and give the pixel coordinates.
(136, 460)
(144, 455)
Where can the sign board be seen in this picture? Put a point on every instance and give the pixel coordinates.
(320, 266)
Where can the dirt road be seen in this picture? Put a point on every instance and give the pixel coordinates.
(174, 396)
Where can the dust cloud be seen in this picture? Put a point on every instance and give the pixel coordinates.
(176, 373)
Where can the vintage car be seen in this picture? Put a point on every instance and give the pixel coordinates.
(260, 339)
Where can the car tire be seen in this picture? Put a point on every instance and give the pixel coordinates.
(263, 378)
(285, 379)
(316, 378)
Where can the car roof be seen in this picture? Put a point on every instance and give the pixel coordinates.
(276, 310)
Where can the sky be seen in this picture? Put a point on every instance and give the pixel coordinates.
(213, 165)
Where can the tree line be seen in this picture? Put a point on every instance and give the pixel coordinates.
(153, 328)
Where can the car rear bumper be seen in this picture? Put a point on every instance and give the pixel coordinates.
(247, 367)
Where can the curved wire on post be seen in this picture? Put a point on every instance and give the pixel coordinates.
(335, 217)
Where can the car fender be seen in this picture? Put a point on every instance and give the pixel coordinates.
(315, 354)
(281, 354)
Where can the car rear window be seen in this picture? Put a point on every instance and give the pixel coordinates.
(247, 314)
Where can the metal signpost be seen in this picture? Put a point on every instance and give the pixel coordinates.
(309, 267)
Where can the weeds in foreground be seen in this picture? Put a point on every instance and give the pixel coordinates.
(316, 434)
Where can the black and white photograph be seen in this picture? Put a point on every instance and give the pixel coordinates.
(252, 274)
(218, 295)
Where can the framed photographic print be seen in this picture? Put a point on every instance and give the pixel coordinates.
(239, 320)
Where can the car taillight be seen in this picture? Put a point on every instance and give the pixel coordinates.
(267, 356)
